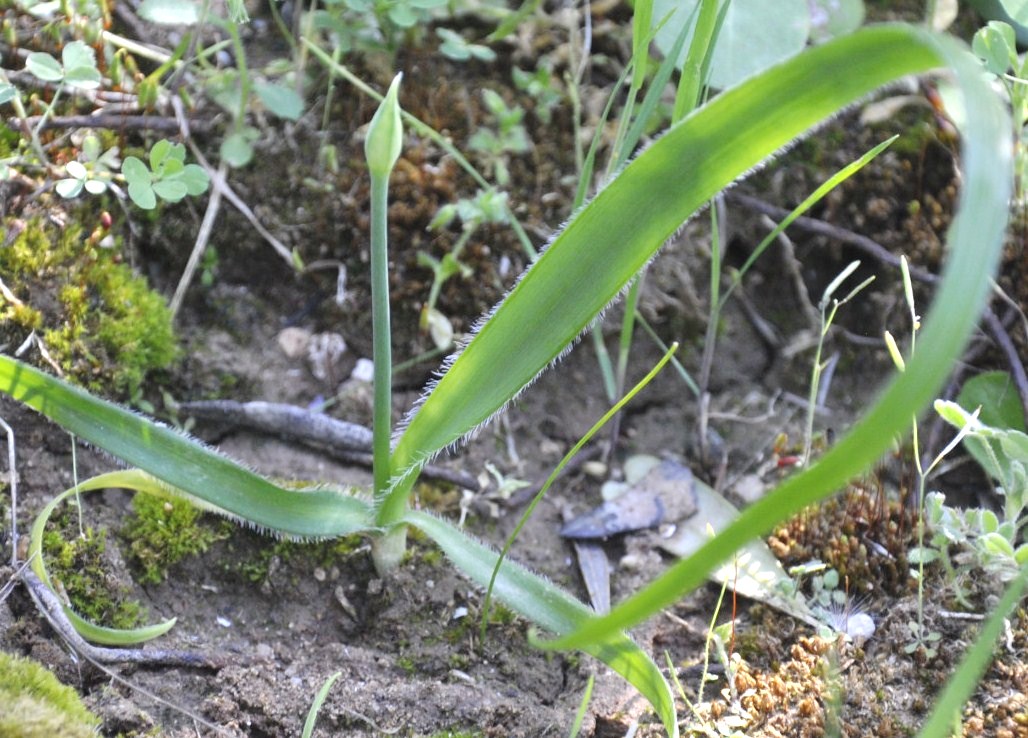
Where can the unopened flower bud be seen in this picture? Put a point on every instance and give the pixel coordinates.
(385, 133)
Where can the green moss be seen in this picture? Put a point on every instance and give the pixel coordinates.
(458, 661)
(77, 566)
(101, 323)
(321, 554)
(500, 614)
(433, 557)
(36, 705)
(162, 532)
(407, 664)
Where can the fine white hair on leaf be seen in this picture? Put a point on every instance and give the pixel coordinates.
(521, 608)
(427, 455)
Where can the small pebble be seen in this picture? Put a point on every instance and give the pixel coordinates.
(293, 342)
(319, 574)
(363, 370)
(611, 490)
(344, 602)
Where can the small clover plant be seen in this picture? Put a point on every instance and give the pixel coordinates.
(77, 67)
(93, 173)
(168, 177)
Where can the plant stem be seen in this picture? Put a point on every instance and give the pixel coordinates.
(382, 350)
(386, 550)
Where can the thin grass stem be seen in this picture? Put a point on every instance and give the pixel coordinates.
(559, 468)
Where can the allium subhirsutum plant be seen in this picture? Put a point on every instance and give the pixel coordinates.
(582, 271)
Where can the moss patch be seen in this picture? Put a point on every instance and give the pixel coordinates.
(78, 566)
(36, 705)
(101, 323)
(164, 531)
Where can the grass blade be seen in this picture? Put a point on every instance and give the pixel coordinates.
(976, 239)
(319, 700)
(130, 479)
(810, 201)
(618, 232)
(547, 605)
(587, 695)
(215, 482)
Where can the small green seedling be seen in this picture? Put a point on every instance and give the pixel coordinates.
(487, 206)
(456, 47)
(168, 176)
(508, 137)
(542, 86)
(827, 307)
(76, 70)
(93, 173)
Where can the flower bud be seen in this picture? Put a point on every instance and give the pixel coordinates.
(385, 133)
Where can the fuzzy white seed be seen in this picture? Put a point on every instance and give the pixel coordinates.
(860, 626)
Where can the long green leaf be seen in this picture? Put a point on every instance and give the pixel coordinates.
(976, 239)
(614, 235)
(130, 479)
(549, 606)
(214, 481)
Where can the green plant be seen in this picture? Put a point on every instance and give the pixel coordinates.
(374, 25)
(996, 46)
(828, 300)
(36, 705)
(319, 700)
(168, 176)
(508, 137)
(77, 68)
(983, 540)
(237, 89)
(542, 86)
(586, 266)
(93, 173)
(921, 639)
(487, 206)
(456, 47)
(163, 532)
(90, 169)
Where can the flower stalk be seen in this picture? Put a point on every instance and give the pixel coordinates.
(382, 150)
